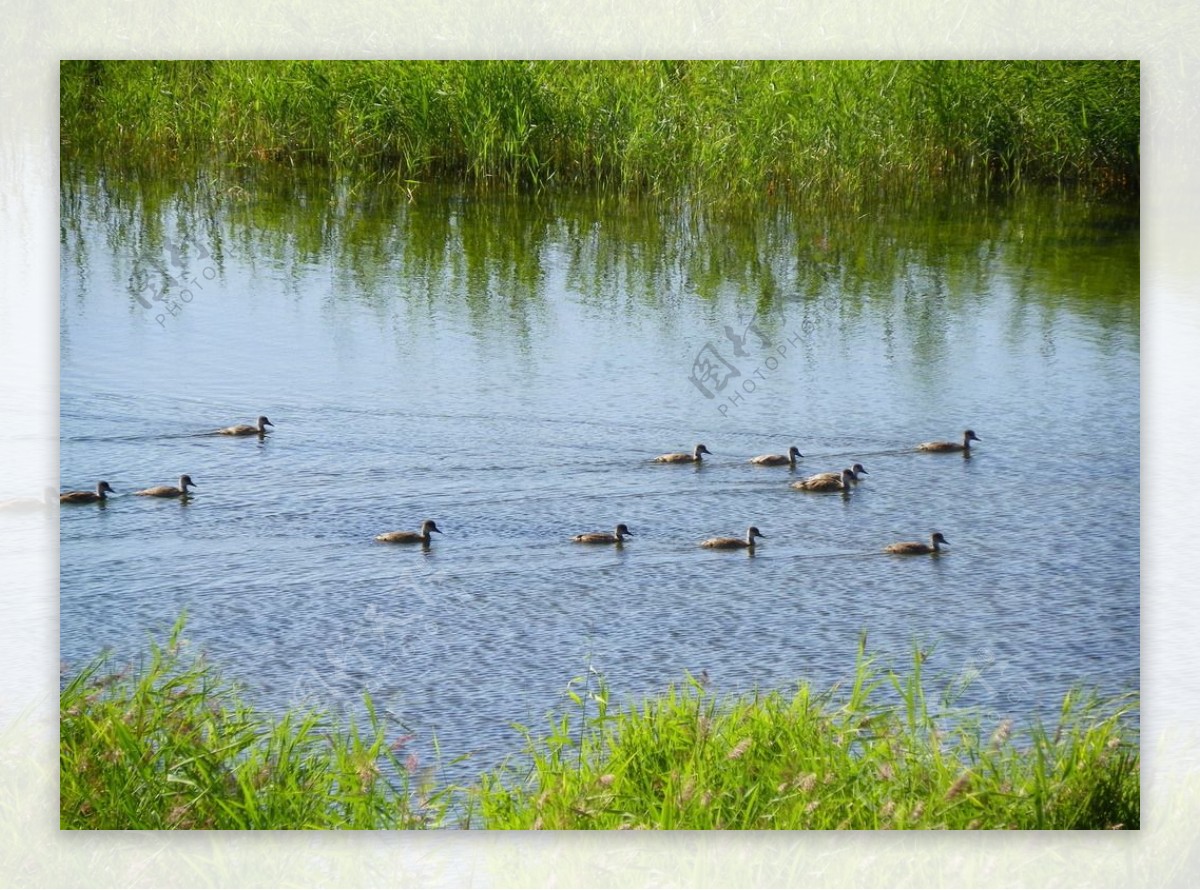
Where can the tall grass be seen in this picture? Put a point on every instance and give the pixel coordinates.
(820, 761)
(173, 746)
(717, 130)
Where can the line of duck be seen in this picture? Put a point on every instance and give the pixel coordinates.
(821, 482)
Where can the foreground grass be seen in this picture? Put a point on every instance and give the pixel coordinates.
(174, 747)
(686, 760)
(718, 130)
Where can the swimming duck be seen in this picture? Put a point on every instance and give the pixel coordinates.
(421, 537)
(170, 491)
(735, 543)
(775, 460)
(827, 481)
(968, 437)
(103, 489)
(856, 471)
(247, 430)
(683, 457)
(916, 548)
(604, 537)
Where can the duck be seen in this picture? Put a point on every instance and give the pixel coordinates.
(856, 470)
(421, 537)
(170, 491)
(734, 543)
(103, 490)
(917, 548)
(604, 537)
(245, 429)
(827, 481)
(968, 437)
(683, 457)
(775, 460)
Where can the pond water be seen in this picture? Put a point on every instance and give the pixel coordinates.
(509, 367)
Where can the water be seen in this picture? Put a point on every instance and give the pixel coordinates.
(509, 367)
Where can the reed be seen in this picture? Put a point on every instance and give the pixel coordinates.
(842, 759)
(172, 745)
(718, 131)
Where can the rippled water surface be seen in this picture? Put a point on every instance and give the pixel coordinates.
(509, 368)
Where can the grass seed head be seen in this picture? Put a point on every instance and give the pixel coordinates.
(739, 749)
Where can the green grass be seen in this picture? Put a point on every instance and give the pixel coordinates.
(716, 131)
(173, 746)
(833, 761)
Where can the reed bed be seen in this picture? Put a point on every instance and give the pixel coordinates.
(715, 131)
(173, 745)
(844, 759)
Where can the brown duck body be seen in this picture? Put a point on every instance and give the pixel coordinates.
(247, 430)
(169, 491)
(826, 482)
(776, 460)
(103, 489)
(421, 537)
(918, 548)
(734, 543)
(683, 457)
(618, 537)
(965, 445)
(855, 471)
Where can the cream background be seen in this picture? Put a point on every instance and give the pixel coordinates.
(1164, 35)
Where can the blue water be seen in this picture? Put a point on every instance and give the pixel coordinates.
(509, 369)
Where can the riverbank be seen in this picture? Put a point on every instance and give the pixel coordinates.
(173, 745)
(718, 131)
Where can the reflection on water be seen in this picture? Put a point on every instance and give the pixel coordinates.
(508, 368)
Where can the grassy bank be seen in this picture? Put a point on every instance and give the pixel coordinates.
(809, 761)
(720, 130)
(172, 746)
